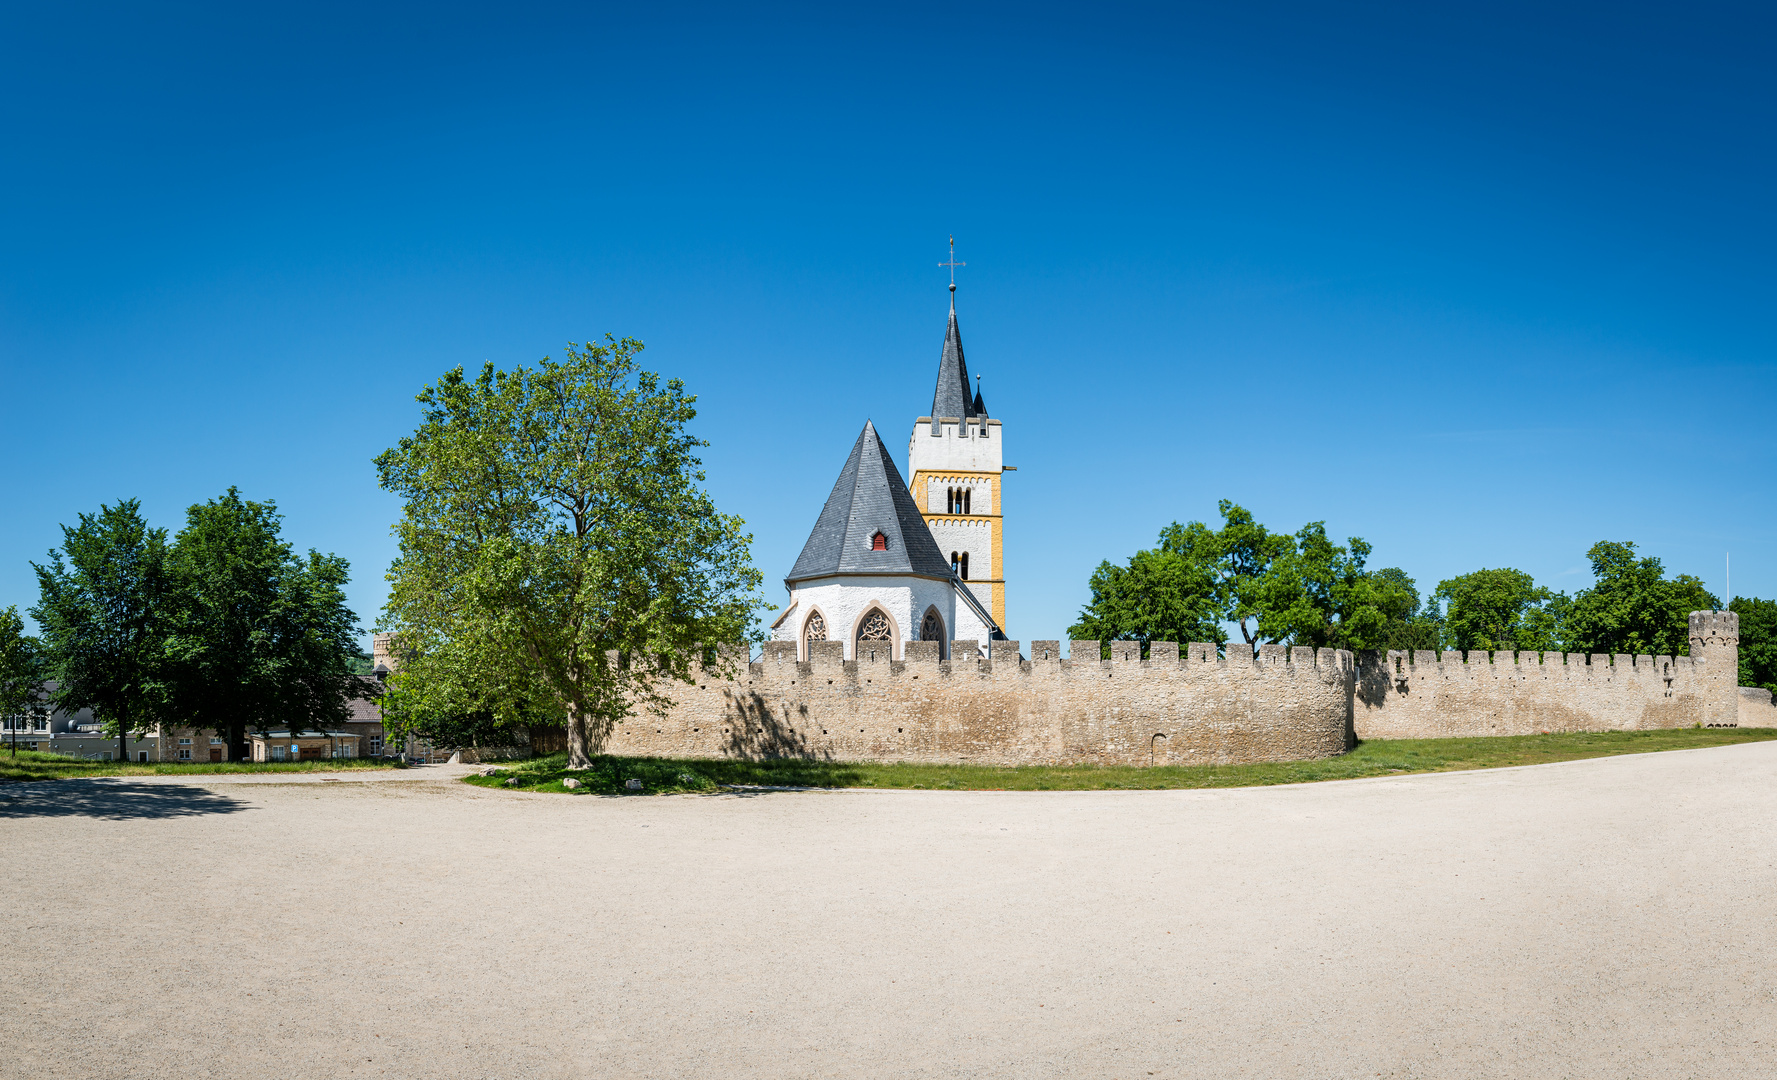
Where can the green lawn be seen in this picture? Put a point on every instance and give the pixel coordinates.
(1392, 757)
(39, 766)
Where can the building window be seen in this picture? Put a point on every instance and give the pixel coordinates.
(966, 493)
(956, 500)
(963, 567)
(876, 627)
(185, 755)
(142, 756)
(816, 630)
(376, 746)
(879, 542)
(217, 742)
(932, 627)
(184, 742)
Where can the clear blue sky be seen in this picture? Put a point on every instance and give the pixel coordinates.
(1481, 285)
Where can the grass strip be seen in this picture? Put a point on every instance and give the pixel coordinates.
(36, 765)
(1378, 757)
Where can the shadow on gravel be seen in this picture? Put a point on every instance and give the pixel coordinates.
(111, 801)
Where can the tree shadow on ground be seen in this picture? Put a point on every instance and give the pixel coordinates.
(112, 801)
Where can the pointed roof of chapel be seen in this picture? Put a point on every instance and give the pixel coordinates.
(869, 497)
(952, 397)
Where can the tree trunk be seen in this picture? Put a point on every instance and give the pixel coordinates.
(237, 741)
(123, 740)
(579, 752)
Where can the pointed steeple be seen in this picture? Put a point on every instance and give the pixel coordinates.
(952, 397)
(869, 500)
(980, 406)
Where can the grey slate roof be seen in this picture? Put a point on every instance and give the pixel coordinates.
(870, 497)
(980, 406)
(952, 397)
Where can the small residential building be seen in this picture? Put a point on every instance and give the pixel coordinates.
(306, 745)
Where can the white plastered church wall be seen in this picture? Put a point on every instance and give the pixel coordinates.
(843, 601)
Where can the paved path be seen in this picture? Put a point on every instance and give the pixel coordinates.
(357, 776)
(1609, 918)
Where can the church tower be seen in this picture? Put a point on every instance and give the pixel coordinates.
(955, 459)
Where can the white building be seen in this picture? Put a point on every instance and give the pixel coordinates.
(871, 575)
(886, 564)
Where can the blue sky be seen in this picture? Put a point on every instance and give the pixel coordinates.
(1481, 285)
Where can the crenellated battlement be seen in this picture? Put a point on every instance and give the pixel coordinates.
(778, 659)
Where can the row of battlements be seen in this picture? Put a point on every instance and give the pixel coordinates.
(1403, 662)
(777, 656)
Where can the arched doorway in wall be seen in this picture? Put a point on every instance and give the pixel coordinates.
(931, 628)
(813, 629)
(875, 633)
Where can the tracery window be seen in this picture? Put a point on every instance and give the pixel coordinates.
(876, 627)
(816, 629)
(932, 627)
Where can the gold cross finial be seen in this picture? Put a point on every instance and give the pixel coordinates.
(952, 264)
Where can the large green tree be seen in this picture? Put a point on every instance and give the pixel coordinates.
(103, 614)
(559, 557)
(21, 672)
(1502, 610)
(1634, 607)
(1304, 589)
(1758, 641)
(261, 637)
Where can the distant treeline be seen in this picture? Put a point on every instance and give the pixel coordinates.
(1304, 589)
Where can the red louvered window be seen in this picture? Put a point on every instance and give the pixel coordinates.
(879, 542)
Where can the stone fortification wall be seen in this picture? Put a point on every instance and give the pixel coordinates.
(1425, 695)
(1286, 705)
(1756, 709)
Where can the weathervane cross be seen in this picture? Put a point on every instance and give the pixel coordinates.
(952, 264)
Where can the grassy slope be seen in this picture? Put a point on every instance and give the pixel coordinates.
(1377, 758)
(40, 766)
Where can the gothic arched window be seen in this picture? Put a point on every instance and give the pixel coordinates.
(876, 627)
(815, 629)
(932, 627)
(966, 493)
(879, 542)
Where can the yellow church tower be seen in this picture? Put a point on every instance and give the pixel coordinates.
(955, 461)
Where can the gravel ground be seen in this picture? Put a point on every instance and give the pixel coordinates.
(1606, 918)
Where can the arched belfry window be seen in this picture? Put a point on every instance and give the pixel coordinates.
(955, 565)
(966, 494)
(879, 542)
(931, 628)
(963, 568)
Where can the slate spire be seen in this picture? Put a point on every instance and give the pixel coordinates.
(980, 406)
(870, 498)
(952, 397)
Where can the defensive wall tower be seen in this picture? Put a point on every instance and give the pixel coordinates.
(1715, 646)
